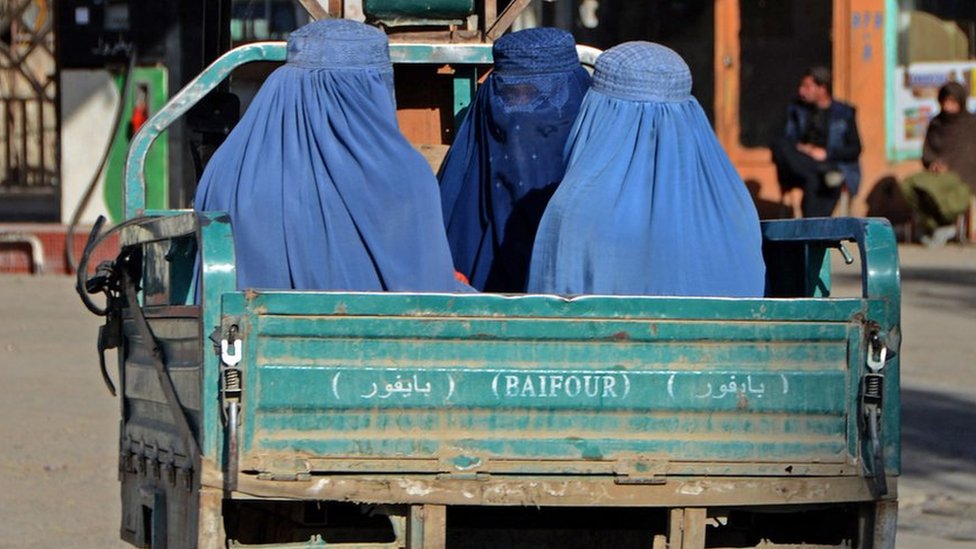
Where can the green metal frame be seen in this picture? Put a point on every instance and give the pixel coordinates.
(430, 11)
(135, 181)
(219, 70)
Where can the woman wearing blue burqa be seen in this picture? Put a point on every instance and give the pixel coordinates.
(323, 190)
(650, 204)
(507, 157)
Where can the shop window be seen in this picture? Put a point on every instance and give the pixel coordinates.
(936, 44)
(936, 30)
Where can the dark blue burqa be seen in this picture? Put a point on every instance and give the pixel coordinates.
(323, 190)
(507, 157)
(650, 204)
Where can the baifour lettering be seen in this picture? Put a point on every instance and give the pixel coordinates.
(557, 385)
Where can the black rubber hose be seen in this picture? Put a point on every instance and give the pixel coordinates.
(94, 241)
(90, 189)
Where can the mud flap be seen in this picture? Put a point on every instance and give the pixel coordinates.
(144, 517)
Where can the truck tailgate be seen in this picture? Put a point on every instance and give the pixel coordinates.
(375, 383)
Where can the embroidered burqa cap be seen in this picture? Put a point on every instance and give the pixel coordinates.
(507, 157)
(650, 203)
(339, 44)
(323, 190)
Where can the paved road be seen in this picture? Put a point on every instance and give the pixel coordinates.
(938, 489)
(58, 434)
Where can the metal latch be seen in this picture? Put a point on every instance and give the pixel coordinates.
(639, 471)
(232, 388)
(872, 406)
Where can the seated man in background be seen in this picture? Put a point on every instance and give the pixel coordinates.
(819, 149)
(507, 157)
(323, 191)
(940, 194)
(650, 204)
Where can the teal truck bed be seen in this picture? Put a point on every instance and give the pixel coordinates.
(417, 404)
(322, 419)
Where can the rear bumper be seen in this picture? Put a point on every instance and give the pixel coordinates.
(573, 491)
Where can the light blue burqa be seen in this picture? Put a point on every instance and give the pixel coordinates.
(650, 203)
(323, 190)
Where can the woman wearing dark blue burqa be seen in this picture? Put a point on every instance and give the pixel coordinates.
(323, 190)
(650, 204)
(508, 156)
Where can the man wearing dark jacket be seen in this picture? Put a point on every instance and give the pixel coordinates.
(819, 149)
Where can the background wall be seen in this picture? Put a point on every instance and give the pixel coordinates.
(89, 99)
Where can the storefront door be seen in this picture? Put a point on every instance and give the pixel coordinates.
(763, 47)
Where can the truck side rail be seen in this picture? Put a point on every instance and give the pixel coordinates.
(799, 251)
(221, 69)
(812, 238)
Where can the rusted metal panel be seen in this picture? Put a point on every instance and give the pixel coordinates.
(605, 491)
(633, 470)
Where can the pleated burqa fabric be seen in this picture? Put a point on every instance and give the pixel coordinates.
(323, 190)
(650, 204)
(507, 157)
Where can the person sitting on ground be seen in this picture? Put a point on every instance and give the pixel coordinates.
(650, 204)
(507, 157)
(323, 190)
(819, 150)
(940, 194)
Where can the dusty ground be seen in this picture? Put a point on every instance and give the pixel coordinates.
(58, 434)
(58, 483)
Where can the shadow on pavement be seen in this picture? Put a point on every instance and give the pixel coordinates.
(942, 288)
(937, 436)
(938, 449)
(946, 275)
